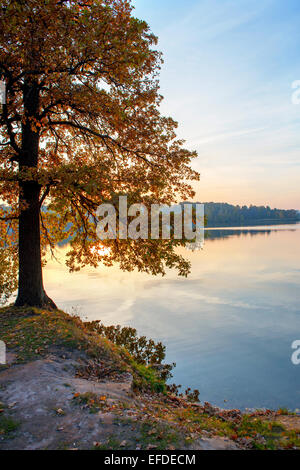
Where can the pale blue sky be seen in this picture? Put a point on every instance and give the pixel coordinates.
(227, 77)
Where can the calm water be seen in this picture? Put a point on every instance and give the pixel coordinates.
(229, 326)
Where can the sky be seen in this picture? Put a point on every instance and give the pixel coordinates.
(227, 77)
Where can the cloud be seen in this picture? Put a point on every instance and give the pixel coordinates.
(225, 135)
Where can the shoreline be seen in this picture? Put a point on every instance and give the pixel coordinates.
(66, 384)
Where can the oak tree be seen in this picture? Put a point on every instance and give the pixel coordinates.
(82, 125)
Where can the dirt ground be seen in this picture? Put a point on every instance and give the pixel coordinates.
(42, 398)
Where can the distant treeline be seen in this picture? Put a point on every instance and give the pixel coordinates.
(218, 214)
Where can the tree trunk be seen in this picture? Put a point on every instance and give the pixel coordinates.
(31, 290)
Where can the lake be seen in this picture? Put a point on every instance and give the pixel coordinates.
(229, 326)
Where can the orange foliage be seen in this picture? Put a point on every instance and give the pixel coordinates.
(100, 130)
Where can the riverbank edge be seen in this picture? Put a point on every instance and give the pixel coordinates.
(40, 340)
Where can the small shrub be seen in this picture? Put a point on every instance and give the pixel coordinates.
(192, 395)
(143, 350)
(151, 373)
(146, 379)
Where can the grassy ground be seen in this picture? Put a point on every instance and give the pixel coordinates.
(31, 333)
(156, 418)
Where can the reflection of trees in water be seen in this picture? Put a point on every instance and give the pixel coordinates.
(223, 234)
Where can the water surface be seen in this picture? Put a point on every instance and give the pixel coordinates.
(229, 326)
